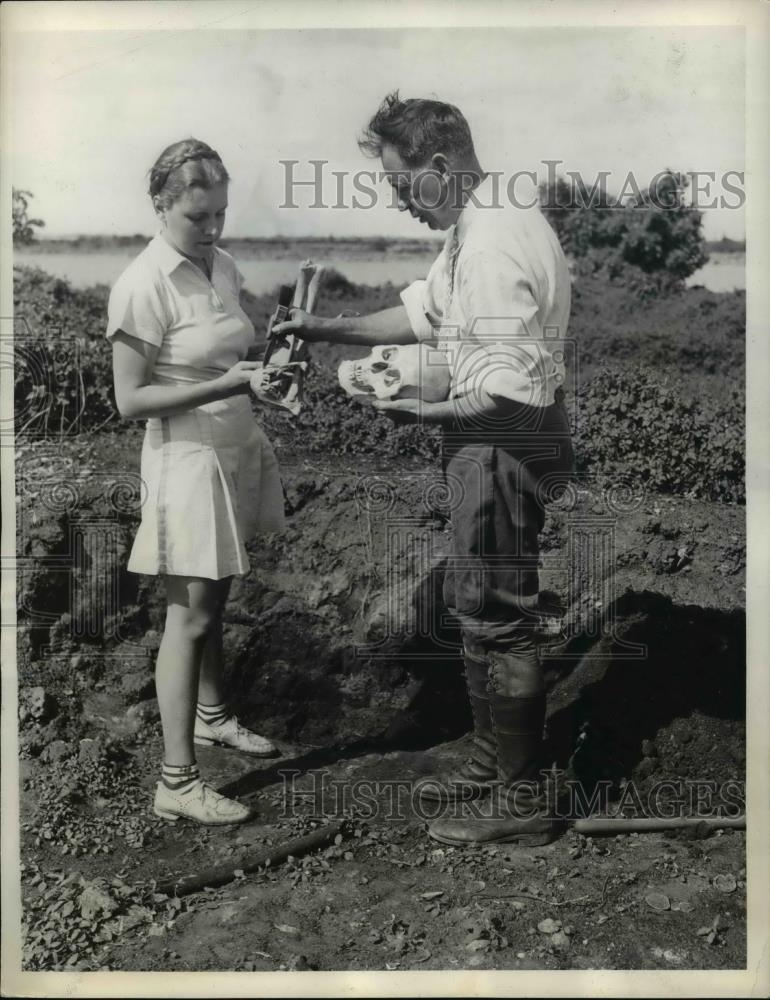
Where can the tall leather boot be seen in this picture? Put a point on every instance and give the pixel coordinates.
(476, 775)
(517, 813)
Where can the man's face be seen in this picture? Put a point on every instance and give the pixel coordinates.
(422, 191)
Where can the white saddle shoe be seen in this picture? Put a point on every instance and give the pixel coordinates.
(231, 733)
(199, 802)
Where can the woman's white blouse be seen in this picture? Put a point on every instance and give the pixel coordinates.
(198, 325)
(210, 476)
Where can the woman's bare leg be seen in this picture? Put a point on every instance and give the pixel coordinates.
(212, 711)
(210, 682)
(191, 614)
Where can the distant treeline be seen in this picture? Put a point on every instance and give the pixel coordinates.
(370, 244)
(255, 244)
(726, 245)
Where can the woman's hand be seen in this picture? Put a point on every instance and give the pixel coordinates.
(261, 378)
(302, 324)
(236, 381)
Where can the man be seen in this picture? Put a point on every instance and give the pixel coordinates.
(497, 301)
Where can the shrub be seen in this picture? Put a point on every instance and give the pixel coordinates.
(699, 334)
(336, 286)
(63, 369)
(633, 422)
(23, 226)
(636, 427)
(331, 422)
(651, 240)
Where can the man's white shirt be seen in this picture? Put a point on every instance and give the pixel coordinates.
(497, 301)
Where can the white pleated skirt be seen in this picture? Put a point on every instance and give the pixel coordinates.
(210, 483)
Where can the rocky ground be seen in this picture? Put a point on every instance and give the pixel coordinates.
(382, 896)
(336, 649)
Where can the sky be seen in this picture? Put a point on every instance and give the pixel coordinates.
(91, 110)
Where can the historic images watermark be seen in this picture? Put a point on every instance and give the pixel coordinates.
(73, 593)
(397, 800)
(400, 533)
(407, 559)
(312, 184)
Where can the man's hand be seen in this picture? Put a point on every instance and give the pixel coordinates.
(406, 411)
(475, 409)
(302, 324)
(388, 326)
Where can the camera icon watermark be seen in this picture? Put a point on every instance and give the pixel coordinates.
(49, 394)
(71, 543)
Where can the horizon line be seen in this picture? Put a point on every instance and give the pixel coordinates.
(42, 237)
(428, 240)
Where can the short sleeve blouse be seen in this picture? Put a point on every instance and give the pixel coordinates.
(197, 325)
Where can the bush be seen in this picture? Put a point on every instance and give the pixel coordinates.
(633, 422)
(699, 334)
(650, 240)
(638, 428)
(331, 422)
(63, 369)
(336, 286)
(63, 374)
(23, 226)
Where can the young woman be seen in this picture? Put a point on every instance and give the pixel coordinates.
(180, 339)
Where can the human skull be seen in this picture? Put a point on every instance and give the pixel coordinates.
(411, 371)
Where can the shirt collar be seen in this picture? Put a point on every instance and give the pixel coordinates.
(166, 256)
(482, 192)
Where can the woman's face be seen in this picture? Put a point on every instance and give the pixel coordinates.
(195, 221)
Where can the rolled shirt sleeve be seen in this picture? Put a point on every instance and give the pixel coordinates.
(503, 351)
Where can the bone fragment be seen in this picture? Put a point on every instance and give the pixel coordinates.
(306, 271)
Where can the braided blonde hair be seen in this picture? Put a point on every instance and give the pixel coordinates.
(184, 165)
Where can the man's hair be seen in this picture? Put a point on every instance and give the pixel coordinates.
(417, 129)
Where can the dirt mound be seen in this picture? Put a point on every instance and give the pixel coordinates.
(339, 633)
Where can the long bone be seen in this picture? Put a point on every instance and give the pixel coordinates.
(314, 287)
(306, 271)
